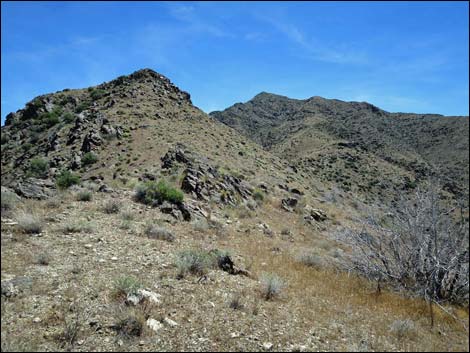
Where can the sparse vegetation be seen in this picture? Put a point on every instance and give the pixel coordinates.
(402, 328)
(84, 195)
(112, 206)
(89, 158)
(125, 286)
(29, 223)
(154, 231)
(154, 193)
(38, 168)
(271, 286)
(310, 259)
(80, 226)
(8, 202)
(66, 179)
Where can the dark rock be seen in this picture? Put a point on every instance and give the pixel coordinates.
(33, 188)
(289, 204)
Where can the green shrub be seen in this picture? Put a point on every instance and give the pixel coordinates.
(66, 179)
(68, 118)
(97, 93)
(51, 118)
(258, 195)
(38, 167)
(81, 107)
(84, 195)
(89, 158)
(153, 193)
(125, 286)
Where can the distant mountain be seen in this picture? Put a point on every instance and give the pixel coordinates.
(357, 145)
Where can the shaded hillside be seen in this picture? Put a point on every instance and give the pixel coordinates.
(357, 145)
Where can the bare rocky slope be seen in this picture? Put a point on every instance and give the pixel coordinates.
(237, 250)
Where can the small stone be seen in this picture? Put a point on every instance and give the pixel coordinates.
(88, 246)
(36, 320)
(80, 342)
(170, 322)
(114, 258)
(267, 345)
(154, 324)
(141, 343)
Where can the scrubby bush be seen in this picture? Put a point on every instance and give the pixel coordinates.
(97, 93)
(125, 286)
(9, 201)
(402, 328)
(310, 259)
(271, 286)
(68, 118)
(38, 167)
(89, 158)
(78, 227)
(258, 196)
(112, 206)
(197, 262)
(29, 223)
(154, 193)
(66, 179)
(43, 259)
(156, 232)
(84, 195)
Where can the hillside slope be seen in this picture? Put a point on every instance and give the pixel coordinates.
(357, 145)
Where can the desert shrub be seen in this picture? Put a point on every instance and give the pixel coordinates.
(97, 93)
(271, 286)
(127, 215)
(125, 286)
(402, 328)
(78, 227)
(424, 249)
(131, 326)
(9, 201)
(258, 195)
(29, 223)
(66, 179)
(156, 232)
(310, 259)
(236, 302)
(50, 119)
(38, 167)
(112, 206)
(84, 195)
(43, 259)
(196, 262)
(81, 107)
(68, 118)
(89, 158)
(154, 193)
(125, 225)
(200, 225)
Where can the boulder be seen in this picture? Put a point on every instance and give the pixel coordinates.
(33, 188)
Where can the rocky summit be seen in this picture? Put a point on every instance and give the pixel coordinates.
(132, 220)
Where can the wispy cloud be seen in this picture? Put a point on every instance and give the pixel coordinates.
(314, 48)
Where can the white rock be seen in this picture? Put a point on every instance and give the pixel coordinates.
(267, 345)
(88, 246)
(114, 258)
(36, 320)
(170, 322)
(154, 324)
(152, 296)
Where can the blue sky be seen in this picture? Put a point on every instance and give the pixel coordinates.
(400, 56)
